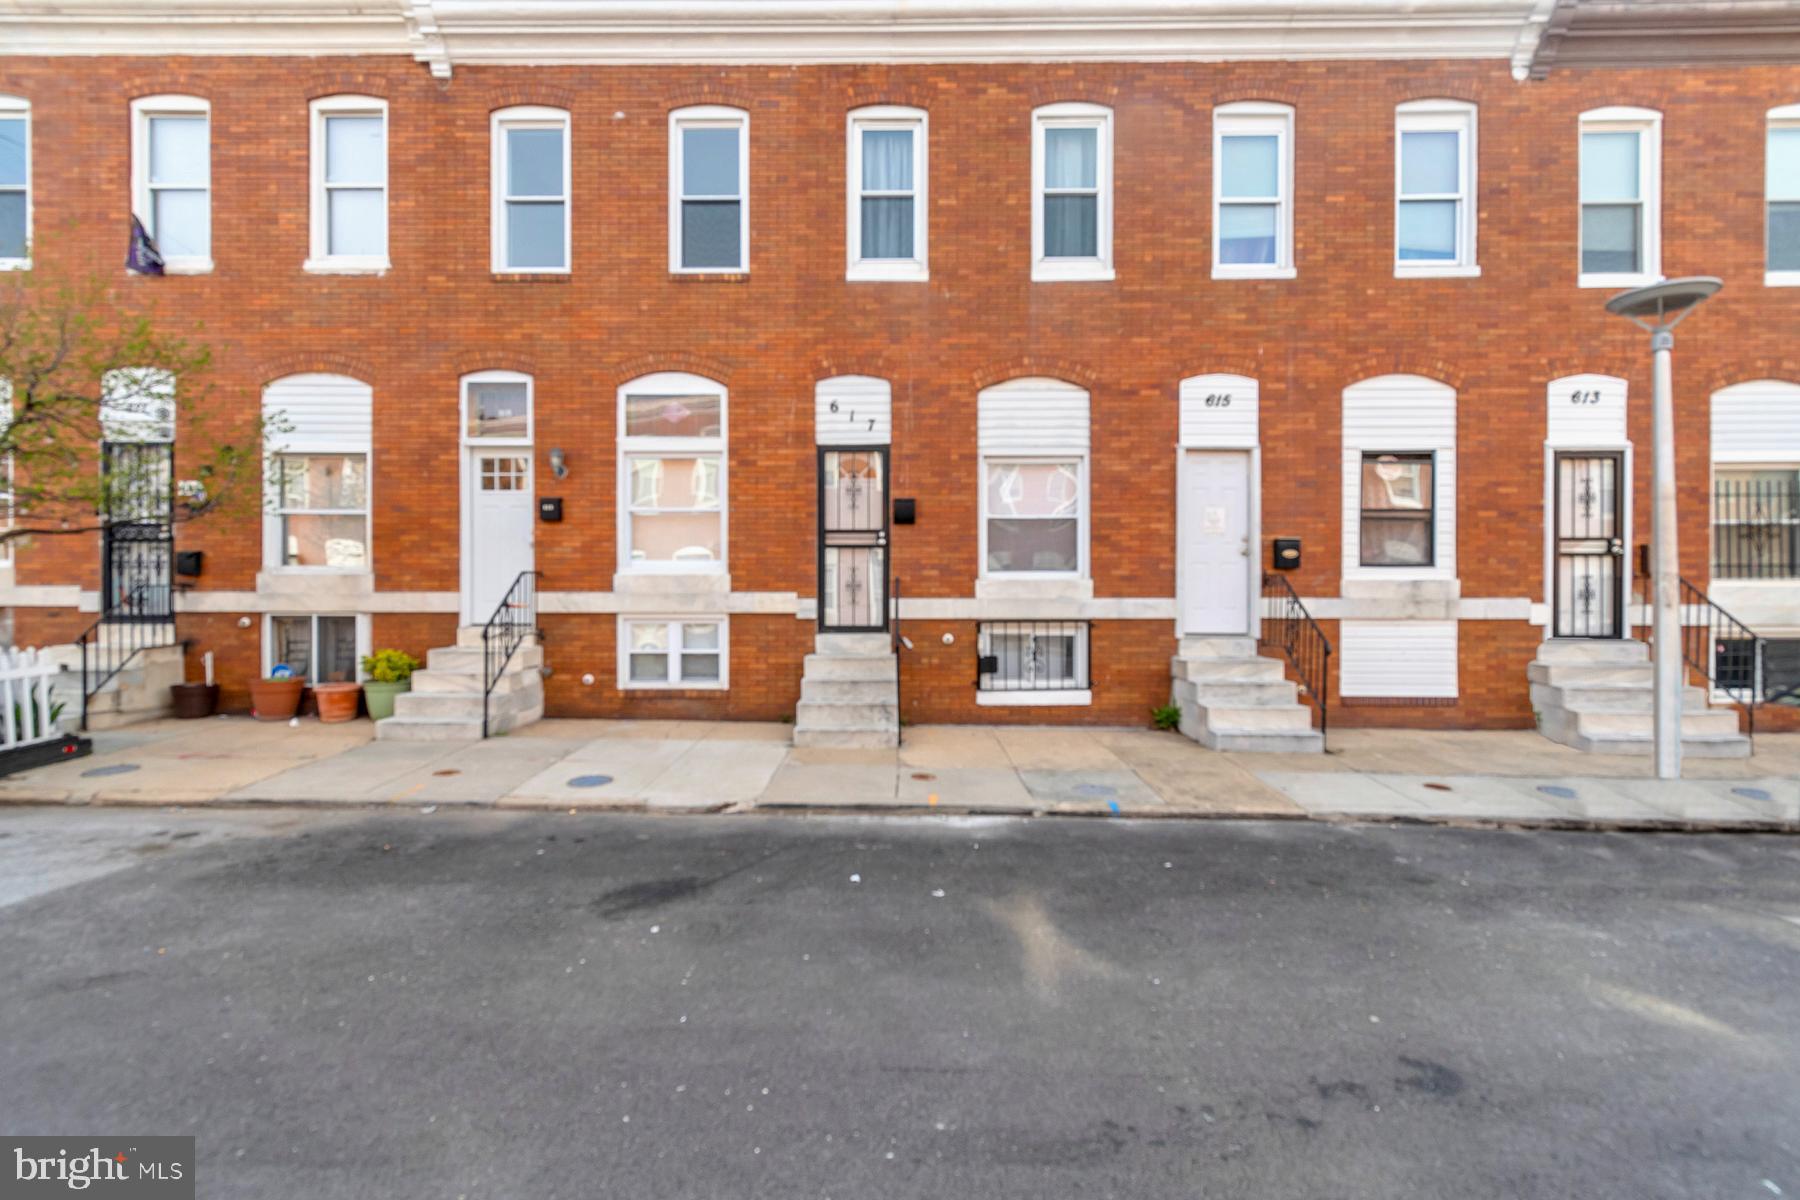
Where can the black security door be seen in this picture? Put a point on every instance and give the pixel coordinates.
(1590, 546)
(138, 541)
(853, 539)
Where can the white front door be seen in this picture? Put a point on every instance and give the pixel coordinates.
(498, 522)
(1215, 542)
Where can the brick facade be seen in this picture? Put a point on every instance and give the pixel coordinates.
(770, 335)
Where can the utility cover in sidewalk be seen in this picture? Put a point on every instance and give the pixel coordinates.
(1750, 793)
(113, 769)
(590, 781)
(1557, 790)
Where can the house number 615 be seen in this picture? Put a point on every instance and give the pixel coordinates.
(1219, 400)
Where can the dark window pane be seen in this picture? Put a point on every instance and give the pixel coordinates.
(1784, 237)
(887, 227)
(1396, 540)
(534, 234)
(337, 650)
(1609, 238)
(710, 234)
(1033, 545)
(12, 150)
(12, 224)
(1071, 226)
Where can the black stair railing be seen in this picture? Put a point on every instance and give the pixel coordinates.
(1288, 627)
(514, 620)
(895, 641)
(1727, 653)
(120, 635)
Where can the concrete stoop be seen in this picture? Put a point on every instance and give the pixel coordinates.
(1598, 696)
(1232, 698)
(139, 691)
(847, 693)
(444, 704)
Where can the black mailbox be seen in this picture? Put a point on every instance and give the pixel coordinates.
(1287, 554)
(906, 511)
(188, 562)
(987, 664)
(550, 508)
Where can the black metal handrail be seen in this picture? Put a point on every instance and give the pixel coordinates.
(895, 641)
(1292, 630)
(1727, 652)
(109, 644)
(514, 620)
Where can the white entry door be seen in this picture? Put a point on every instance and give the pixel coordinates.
(1215, 537)
(498, 522)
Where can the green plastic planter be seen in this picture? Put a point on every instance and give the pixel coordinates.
(380, 697)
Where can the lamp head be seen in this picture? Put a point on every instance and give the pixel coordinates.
(1652, 306)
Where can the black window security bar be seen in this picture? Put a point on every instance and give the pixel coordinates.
(1756, 528)
(1033, 656)
(1289, 628)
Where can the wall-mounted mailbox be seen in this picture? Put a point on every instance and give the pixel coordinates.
(987, 664)
(906, 511)
(189, 562)
(1287, 554)
(550, 508)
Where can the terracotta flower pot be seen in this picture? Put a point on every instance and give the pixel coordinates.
(379, 697)
(193, 700)
(337, 701)
(275, 699)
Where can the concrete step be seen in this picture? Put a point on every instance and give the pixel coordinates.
(1712, 722)
(1615, 697)
(1217, 647)
(1226, 718)
(468, 637)
(853, 645)
(871, 738)
(834, 666)
(814, 714)
(428, 729)
(1222, 670)
(847, 691)
(1612, 651)
(1216, 730)
(467, 660)
(1733, 746)
(1566, 674)
(455, 682)
(1261, 693)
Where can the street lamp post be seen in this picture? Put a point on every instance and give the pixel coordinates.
(1657, 309)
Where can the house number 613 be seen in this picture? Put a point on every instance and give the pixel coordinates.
(1585, 396)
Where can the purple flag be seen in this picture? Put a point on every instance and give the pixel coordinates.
(143, 256)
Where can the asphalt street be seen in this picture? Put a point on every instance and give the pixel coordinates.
(535, 1005)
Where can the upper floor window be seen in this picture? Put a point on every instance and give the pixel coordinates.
(15, 182)
(1434, 187)
(1621, 203)
(887, 210)
(1253, 191)
(709, 189)
(672, 474)
(349, 184)
(171, 170)
(1071, 184)
(1781, 175)
(531, 190)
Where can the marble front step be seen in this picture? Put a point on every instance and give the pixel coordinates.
(469, 660)
(468, 637)
(1599, 697)
(853, 645)
(1232, 698)
(835, 666)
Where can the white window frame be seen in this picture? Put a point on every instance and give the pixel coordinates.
(1441, 116)
(277, 511)
(1256, 118)
(1071, 115)
(676, 651)
(673, 382)
(1785, 117)
(19, 108)
(320, 260)
(1647, 124)
(527, 116)
(1038, 698)
(884, 117)
(1083, 518)
(363, 641)
(142, 110)
(709, 116)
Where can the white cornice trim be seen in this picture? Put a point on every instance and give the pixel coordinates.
(441, 33)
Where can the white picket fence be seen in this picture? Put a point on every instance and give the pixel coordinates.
(26, 705)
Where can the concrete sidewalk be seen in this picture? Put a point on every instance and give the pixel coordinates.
(693, 766)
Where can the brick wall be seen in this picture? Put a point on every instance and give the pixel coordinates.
(793, 320)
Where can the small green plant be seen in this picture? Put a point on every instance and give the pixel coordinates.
(1166, 716)
(27, 718)
(390, 666)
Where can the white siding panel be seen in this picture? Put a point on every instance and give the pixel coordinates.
(1756, 422)
(1410, 659)
(1400, 412)
(1033, 416)
(318, 414)
(1219, 412)
(853, 410)
(1586, 411)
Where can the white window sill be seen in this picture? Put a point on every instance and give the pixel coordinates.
(1023, 585)
(1071, 271)
(15, 264)
(500, 269)
(1618, 281)
(887, 272)
(1065, 698)
(191, 266)
(709, 270)
(1445, 271)
(640, 686)
(1254, 273)
(1781, 279)
(346, 266)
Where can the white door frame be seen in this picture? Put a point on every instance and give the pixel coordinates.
(1253, 527)
(468, 478)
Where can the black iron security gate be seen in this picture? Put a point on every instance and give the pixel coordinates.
(1589, 591)
(853, 539)
(137, 568)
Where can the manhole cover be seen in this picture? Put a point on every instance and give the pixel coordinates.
(114, 769)
(447, 771)
(590, 781)
(1750, 793)
(1439, 787)
(1557, 790)
(923, 775)
(1098, 790)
